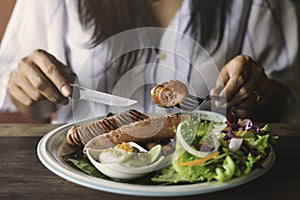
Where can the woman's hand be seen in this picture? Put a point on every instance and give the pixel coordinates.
(40, 77)
(244, 86)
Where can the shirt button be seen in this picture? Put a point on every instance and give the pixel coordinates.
(161, 56)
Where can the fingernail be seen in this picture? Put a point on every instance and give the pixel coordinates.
(222, 93)
(66, 91)
(218, 104)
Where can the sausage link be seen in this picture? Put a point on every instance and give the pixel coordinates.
(79, 135)
(143, 131)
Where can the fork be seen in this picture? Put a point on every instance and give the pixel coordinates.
(192, 102)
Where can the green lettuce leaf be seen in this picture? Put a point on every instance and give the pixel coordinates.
(260, 143)
(225, 172)
(86, 167)
(251, 160)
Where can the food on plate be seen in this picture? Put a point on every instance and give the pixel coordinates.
(167, 145)
(169, 94)
(129, 155)
(79, 135)
(207, 151)
(143, 131)
(202, 150)
(126, 155)
(127, 161)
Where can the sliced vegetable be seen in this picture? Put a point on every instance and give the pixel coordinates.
(186, 135)
(235, 144)
(155, 153)
(198, 161)
(225, 172)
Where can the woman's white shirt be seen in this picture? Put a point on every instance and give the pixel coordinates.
(252, 28)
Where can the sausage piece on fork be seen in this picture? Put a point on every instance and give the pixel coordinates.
(169, 94)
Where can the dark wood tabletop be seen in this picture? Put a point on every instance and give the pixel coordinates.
(23, 176)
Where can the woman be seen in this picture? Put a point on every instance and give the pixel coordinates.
(228, 30)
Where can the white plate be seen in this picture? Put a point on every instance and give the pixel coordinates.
(53, 145)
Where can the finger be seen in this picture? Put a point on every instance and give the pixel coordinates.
(239, 70)
(244, 92)
(255, 83)
(52, 68)
(246, 97)
(28, 89)
(22, 97)
(248, 103)
(260, 84)
(230, 90)
(222, 79)
(232, 86)
(40, 82)
(216, 91)
(243, 100)
(233, 75)
(19, 94)
(71, 76)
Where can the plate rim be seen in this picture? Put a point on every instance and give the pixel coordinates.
(48, 160)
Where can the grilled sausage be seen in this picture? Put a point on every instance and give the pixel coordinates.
(144, 131)
(169, 94)
(79, 135)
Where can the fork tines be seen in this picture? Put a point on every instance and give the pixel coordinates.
(191, 102)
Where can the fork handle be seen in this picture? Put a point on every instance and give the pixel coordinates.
(214, 98)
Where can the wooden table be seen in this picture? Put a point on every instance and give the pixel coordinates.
(22, 175)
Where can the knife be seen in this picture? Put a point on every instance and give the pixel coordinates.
(80, 92)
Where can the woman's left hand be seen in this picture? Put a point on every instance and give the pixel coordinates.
(243, 84)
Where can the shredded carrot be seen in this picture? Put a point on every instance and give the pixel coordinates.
(198, 161)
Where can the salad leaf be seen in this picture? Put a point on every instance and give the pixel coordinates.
(260, 143)
(195, 173)
(246, 134)
(266, 128)
(251, 160)
(78, 161)
(227, 170)
(86, 167)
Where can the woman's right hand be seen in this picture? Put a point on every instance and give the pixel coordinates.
(39, 77)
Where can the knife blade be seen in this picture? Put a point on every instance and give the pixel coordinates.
(80, 92)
